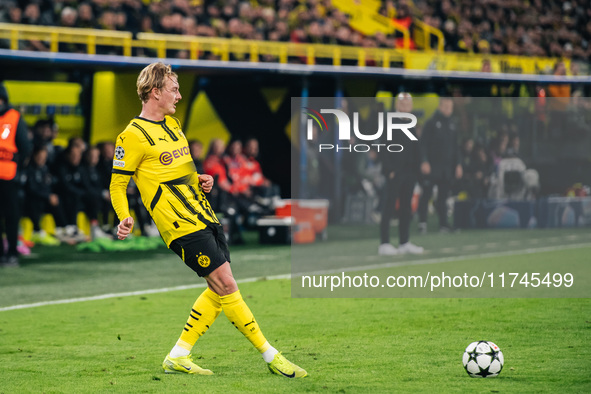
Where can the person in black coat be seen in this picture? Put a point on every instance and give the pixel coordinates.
(96, 196)
(71, 191)
(401, 170)
(40, 196)
(440, 162)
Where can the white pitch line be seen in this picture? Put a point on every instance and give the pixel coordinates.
(133, 293)
(288, 276)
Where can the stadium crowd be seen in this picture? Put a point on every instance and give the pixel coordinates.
(536, 28)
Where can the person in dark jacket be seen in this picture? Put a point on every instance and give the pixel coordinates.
(95, 196)
(401, 170)
(14, 151)
(71, 191)
(440, 162)
(40, 198)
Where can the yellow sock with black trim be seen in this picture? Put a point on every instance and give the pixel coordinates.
(204, 312)
(242, 318)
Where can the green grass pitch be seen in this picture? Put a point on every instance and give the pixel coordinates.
(347, 345)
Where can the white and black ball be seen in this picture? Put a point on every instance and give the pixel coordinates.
(483, 359)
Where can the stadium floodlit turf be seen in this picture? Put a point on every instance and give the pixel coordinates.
(347, 345)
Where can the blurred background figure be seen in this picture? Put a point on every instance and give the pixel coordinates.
(401, 171)
(14, 150)
(440, 162)
(196, 148)
(40, 197)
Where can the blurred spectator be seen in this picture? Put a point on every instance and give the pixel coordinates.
(40, 197)
(259, 184)
(235, 163)
(401, 171)
(497, 27)
(499, 148)
(95, 196)
(196, 148)
(104, 167)
(71, 191)
(44, 132)
(440, 162)
(14, 150)
(214, 166)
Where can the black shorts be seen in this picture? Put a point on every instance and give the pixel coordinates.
(204, 250)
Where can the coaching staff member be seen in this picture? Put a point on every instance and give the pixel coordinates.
(440, 161)
(14, 150)
(154, 151)
(401, 171)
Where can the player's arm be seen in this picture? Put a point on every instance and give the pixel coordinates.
(129, 152)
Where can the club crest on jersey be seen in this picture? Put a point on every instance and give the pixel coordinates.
(166, 158)
(119, 152)
(204, 261)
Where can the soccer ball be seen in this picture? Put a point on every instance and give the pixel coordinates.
(483, 359)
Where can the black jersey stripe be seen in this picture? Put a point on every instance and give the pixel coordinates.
(184, 180)
(170, 132)
(203, 203)
(181, 197)
(176, 120)
(180, 215)
(156, 198)
(122, 172)
(140, 128)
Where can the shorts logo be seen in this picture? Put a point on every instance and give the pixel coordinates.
(119, 152)
(203, 261)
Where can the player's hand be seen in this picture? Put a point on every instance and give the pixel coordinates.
(124, 228)
(425, 168)
(206, 182)
(459, 171)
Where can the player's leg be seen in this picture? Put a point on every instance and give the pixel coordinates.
(443, 188)
(388, 206)
(222, 282)
(404, 216)
(203, 313)
(426, 193)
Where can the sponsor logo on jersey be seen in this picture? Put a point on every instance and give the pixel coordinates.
(118, 163)
(166, 158)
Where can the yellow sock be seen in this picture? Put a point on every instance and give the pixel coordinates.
(205, 310)
(242, 318)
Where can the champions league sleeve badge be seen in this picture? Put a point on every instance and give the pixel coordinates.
(119, 153)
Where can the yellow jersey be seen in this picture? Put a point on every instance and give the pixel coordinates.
(156, 155)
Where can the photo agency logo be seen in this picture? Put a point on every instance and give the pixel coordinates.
(390, 122)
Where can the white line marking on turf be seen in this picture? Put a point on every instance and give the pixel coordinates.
(288, 276)
(133, 293)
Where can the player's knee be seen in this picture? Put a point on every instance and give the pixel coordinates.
(222, 281)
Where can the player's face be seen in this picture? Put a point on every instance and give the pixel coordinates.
(170, 95)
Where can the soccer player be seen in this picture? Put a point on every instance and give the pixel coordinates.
(154, 152)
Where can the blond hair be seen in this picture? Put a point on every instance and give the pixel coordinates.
(153, 76)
